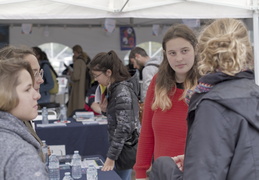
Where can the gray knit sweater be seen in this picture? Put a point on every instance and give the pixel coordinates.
(19, 157)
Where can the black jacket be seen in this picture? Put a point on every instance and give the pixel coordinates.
(122, 113)
(223, 133)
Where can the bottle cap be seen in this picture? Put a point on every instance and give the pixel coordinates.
(67, 173)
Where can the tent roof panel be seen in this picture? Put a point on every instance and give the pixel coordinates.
(95, 11)
(92, 9)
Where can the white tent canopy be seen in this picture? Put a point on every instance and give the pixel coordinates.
(128, 12)
(157, 9)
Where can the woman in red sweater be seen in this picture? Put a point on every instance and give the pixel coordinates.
(164, 125)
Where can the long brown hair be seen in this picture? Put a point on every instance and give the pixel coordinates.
(104, 61)
(166, 81)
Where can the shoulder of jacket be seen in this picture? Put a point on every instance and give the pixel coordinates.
(117, 87)
(152, 64)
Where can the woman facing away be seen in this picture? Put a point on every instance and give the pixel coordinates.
(164, 125)
(122, 105)
(19, 149)
(223, 129)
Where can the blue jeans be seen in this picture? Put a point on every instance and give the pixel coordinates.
(124, 174)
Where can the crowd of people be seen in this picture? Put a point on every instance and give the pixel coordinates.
(200, 106)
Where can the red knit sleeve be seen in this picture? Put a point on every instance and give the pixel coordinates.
(146, 139)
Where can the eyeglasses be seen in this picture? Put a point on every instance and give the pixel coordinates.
(38, 74)
(96, 76)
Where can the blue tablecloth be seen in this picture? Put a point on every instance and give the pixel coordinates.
(102, 175)
(89, 139)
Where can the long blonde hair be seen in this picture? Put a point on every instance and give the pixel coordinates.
(224, 46)
(166, 81)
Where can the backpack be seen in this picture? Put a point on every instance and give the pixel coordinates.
(141, 104)
(54, 75)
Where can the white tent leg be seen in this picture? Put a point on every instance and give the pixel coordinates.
(256, 46)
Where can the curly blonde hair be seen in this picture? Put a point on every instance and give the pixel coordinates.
(224, 46)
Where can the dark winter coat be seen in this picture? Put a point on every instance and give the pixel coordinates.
(122, 113)
(48, 82)
(223, 133)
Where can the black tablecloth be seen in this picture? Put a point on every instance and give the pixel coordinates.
(88, 139)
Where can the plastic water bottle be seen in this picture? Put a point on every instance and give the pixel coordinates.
(67, 176)
(91, 172)
(54, 173)
(45, 116)
(45, 152)
(76, 165)
(63, 113)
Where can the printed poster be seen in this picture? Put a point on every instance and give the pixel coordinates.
(127, 38)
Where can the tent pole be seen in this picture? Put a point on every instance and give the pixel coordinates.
(124, 5)
(256, 45)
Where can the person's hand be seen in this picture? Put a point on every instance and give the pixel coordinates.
(179, 161)
(49, 152)
(108, 165)
(96, 107)
(103, 104)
